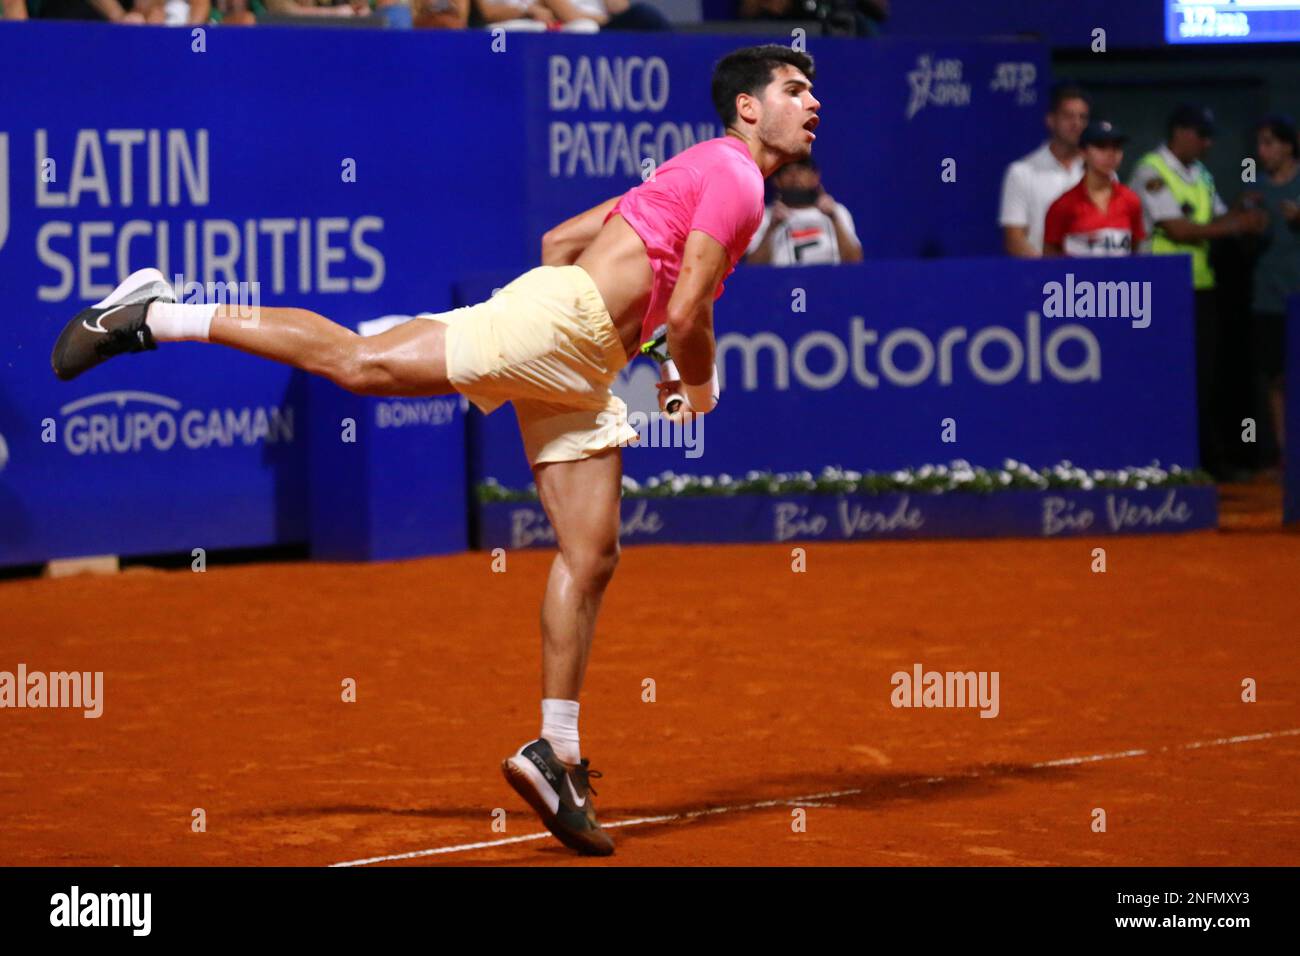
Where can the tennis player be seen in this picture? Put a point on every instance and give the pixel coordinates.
(551, 343)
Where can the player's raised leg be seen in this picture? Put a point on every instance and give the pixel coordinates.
(409, 359)
(581, 499)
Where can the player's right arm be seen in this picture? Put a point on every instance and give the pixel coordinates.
(690, 316)
(563, 245)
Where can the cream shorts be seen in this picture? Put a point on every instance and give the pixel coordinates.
(545, 343)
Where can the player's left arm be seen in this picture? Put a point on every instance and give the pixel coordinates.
(562, 245)
(690, 317)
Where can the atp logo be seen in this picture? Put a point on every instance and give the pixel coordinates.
(1016, 78)
(4, 188)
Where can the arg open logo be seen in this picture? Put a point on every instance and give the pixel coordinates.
(936, 82)
(130, 422)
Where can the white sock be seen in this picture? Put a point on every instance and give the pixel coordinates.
(174, 322)
(560, 728)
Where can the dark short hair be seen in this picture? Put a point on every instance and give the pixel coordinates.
(1282, 127)
(1190, 116)
(1067, 91)
(749, 70)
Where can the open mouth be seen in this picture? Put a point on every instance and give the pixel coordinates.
(811, 125)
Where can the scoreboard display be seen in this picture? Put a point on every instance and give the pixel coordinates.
(1232, 21)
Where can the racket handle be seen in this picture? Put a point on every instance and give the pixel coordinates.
(668, 373)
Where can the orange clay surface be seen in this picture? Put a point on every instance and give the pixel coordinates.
(222, 691)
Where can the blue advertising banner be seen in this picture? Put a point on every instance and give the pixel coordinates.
(1030, 514)
(914, 139)
(389, 476)
(350, 178)
(888, 365)
(318, 188)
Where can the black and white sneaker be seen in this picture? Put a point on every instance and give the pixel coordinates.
(111, 327)
(560, 794)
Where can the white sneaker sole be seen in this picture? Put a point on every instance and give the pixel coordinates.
(521, 767)
(138, 286)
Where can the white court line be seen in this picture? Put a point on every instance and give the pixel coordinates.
(790, 801)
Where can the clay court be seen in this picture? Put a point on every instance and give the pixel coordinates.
(1119, 690)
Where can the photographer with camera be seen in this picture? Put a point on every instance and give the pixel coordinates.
(804, 226)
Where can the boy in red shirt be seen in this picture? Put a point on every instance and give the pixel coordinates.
(1100, 216)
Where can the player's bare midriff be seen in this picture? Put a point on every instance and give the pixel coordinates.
(618, 263)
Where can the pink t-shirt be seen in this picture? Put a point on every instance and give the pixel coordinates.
(715, 187)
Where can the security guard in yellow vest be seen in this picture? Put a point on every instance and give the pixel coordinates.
(1183, 213)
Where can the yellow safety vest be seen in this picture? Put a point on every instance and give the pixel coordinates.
(1199, 197)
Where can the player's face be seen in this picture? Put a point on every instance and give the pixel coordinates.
(1104, 157)
(789, 113)
(1068, 120)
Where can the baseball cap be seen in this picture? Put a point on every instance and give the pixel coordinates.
(1189, 116)
(1102, 131)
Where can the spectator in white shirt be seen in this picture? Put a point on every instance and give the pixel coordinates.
(1032, 183)
(610, 14)
(804, 225)
(524, 15)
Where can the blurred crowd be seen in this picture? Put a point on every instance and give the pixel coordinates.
(836, 17)
(581, 16)
(1066, 199)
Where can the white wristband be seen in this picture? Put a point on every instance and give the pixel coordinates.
(704, 397)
